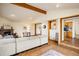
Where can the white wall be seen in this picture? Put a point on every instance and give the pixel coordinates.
(19, 26)
(4, 21)
(45, 31)
(77, 26)
(62, 30)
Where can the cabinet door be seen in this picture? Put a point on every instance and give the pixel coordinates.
(36, 42)
(23, 45)
(44, 40)
(7, 49)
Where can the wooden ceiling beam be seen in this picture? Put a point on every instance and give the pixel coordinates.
(24, 5)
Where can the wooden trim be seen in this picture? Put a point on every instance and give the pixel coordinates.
(35, 29)
(49, 27)
(70, 16)
(53, 20)
(25, 5)
(60, 30)
(61, 24)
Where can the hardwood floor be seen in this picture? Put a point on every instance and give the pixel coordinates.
(73, 42)
(53, 45)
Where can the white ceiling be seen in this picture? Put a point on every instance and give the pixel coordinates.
(15, 13)
(52, 6)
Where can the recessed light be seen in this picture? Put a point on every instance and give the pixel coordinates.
(12, 15)
(30, 18)
(57, 5)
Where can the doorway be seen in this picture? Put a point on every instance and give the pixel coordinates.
(68, 24)
(70, 31)
(52, 31)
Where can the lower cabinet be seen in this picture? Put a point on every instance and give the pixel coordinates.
(21, 44)
(7, 49)
(44, 40)
(35, 42)
(25, 44)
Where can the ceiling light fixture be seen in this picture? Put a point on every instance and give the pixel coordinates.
(31, 18)
(12, 15)
(57, 5)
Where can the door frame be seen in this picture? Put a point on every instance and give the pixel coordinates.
(61, 19)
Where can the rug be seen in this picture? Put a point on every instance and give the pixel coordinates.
(52, 53)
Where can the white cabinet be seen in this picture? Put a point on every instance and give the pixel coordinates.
(23, 44)
(44, 40)
(26, 43)
(7, 47)
(10, 46)
(35, 42)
